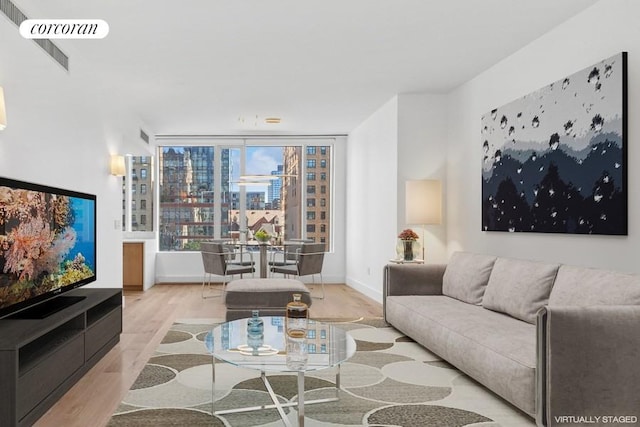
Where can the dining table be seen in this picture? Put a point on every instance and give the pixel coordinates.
(263, 248)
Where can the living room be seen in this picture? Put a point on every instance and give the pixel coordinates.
(63, 127)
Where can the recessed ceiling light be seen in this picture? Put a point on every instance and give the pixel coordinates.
(272, 120)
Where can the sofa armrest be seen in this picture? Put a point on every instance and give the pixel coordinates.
(588, 364)
(413, 279)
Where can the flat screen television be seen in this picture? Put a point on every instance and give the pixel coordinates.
(47, 247)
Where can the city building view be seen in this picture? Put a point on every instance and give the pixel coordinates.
(190, 211)
(141, 202)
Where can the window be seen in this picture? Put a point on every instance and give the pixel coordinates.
(323, 189)
(323, 176)
(186, 196)
(191, 176)
(143, 219)
(311, 334)
(323, 202)
(323, 215)
(323, 163)
(323, 228)
(135, 192)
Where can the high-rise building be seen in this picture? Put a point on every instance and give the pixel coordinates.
(141, 193)
(186, 176)
(275, 187)
(317, 176)
(290, 192)
(255, 200)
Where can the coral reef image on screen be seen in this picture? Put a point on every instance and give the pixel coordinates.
(553, 161)
(47, 242)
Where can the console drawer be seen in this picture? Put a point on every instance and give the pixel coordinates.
(36, 384)
(103, 331)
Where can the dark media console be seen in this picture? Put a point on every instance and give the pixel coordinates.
(40, 359)
(47, 308)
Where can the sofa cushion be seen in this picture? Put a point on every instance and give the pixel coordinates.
(589, 286)
(466, 276)
(493, 348)
(519, 288)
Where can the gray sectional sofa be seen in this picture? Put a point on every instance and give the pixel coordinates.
(554, 340)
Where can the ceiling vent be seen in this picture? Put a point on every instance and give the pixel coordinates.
(144, 136)
(17, 17)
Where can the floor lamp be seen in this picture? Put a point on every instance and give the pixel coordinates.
(423, 204)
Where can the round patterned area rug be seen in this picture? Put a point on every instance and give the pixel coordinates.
(390, 381)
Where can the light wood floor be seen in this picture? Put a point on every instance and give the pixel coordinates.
(146, 318)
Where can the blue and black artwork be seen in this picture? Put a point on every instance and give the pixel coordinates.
(554, 161)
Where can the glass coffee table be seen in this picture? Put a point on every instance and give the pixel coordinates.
(325, 346)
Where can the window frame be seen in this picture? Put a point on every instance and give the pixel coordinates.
(130, 189)
(220, 143)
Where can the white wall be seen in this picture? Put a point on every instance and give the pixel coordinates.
(422, 141)
(405, 139)
(608, 27)
(372, 199)
(57, 135)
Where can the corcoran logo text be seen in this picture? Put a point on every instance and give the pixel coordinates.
(64, 29)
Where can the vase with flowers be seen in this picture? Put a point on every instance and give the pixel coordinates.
(408, 244)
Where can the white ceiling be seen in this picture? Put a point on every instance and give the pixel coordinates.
(212, 66)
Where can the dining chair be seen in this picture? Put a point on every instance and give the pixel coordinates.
(237, 257)
(289, 254)
(214, 260)
(310, 259)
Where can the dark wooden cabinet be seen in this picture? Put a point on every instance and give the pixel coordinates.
(40, 359)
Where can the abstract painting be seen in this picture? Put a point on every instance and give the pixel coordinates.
(554, 161)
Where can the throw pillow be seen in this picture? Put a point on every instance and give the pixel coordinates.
(519, 288)
(466, 276)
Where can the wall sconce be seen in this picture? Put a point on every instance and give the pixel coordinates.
(117, 165)
(3, 111)
(423, 204)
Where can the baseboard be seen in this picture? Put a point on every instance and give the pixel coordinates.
(328, 280)
(364, 289)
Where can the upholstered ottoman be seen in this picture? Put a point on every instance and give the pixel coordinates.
(269, 296)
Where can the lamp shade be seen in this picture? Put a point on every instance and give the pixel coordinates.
(117, 165)
(3, 111)
(423, 202)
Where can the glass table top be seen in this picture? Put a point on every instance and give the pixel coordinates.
(325, 346)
